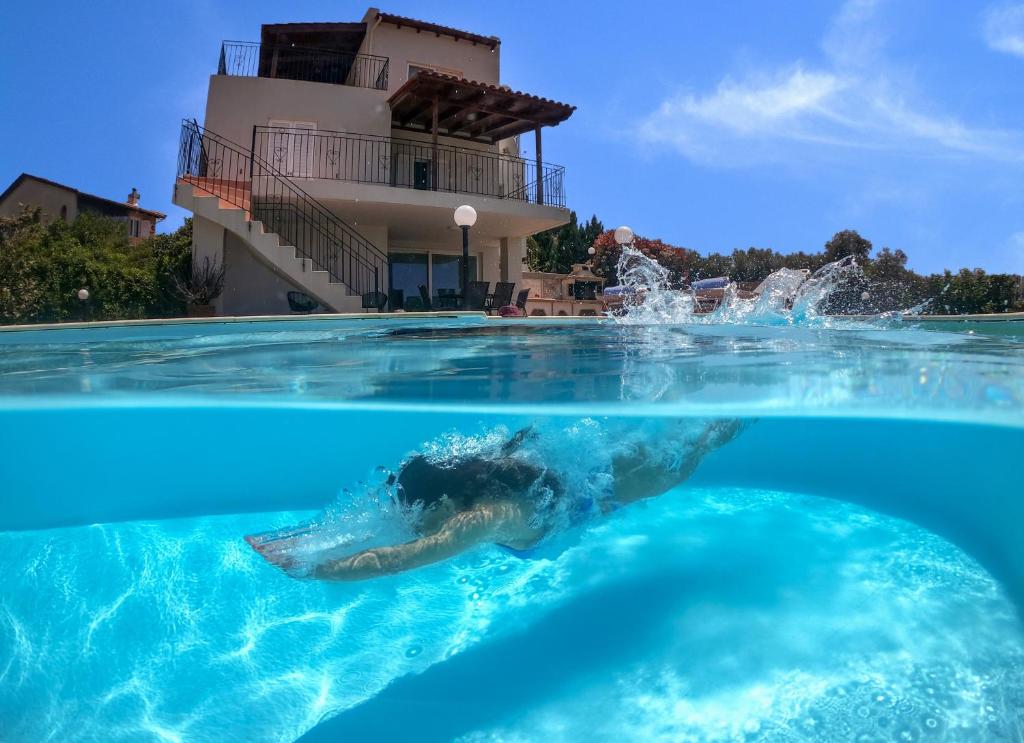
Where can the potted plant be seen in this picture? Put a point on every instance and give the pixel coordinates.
(204, 283)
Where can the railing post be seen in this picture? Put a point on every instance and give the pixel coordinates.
(540, 168)
(433, 144)
(252, 158)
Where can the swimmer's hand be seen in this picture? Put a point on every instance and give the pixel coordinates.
(277, 552)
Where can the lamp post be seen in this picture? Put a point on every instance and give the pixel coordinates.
(465, 217)
(623, 235)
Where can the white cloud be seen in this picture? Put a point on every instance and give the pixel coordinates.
(1003, 27)
(854, 100)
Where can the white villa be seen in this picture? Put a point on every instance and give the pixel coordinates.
(333, 156)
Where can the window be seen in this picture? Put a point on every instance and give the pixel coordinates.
(134, 227)
(421, 175)
(415, 67)
(447, 272)
(64, 212)
(441, 273)
(408, 271)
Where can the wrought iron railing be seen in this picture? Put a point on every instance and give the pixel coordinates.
(253, 59)
(222, 168)
(408, 163)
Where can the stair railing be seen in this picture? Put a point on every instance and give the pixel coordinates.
(222, 168)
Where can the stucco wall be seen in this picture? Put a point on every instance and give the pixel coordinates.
(403, 46)
(33, 193)
(250, 288)
(235, 105)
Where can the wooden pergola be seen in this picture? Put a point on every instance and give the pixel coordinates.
(441, 104)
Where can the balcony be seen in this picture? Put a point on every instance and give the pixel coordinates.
(409, 163)
(288, 62)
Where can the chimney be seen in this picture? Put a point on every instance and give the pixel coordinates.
(133, 197)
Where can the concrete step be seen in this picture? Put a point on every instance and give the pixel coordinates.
(281, 258)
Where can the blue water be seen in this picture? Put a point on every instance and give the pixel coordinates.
(850, 567)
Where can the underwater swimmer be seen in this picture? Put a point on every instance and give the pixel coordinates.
(503, 499)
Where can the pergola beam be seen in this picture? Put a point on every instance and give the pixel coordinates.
(478, 111)
(415, 111)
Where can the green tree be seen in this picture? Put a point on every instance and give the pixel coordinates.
(711, 266)
(43, 267)
(972, 292)
(679, 261)
(847, 242)
(554, 251)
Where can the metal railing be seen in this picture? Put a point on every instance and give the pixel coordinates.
(408, 163)
(253, 59)
(222, 168)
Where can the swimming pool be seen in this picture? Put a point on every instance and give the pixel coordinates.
(850, 564)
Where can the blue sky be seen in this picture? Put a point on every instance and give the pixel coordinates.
(710, 125)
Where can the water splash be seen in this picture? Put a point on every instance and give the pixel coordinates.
(786, 297)
(366, 516)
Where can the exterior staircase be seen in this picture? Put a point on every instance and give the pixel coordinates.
(287, 230)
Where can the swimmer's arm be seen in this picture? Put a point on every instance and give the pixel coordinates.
(487, 522)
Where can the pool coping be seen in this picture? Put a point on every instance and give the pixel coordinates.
(400, 316)
(233, 319)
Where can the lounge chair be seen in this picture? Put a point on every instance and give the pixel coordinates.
(396, 297)
(301, 303)
(521, 298)
(447, 299)
(502, 295)
(425, 297)
(375, 300)
(476, 297)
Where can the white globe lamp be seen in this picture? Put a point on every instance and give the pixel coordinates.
(623, 235)
(465, 217)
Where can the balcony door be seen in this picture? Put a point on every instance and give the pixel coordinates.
(291, 146)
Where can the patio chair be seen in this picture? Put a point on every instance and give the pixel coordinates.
(425, 297)
(502, 295)
(397, 299)
(376, 300)
(447, 299)
(476, 296)
(414, 304)
(521, 298)
(301, 303)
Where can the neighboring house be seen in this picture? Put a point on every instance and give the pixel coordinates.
(64, 202)
(333, 156)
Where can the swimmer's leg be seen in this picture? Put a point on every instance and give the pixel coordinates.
(642, 475)
(504, 521)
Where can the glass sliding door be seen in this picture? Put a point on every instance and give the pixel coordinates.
(447, 273)
(408, 272)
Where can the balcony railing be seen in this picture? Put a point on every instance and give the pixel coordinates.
(408, 163)
(252, 59)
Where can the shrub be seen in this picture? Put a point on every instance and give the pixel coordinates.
(43, 266)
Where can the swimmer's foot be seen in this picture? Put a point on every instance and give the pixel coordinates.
(721, 432)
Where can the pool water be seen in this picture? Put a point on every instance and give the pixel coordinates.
(849, 567)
